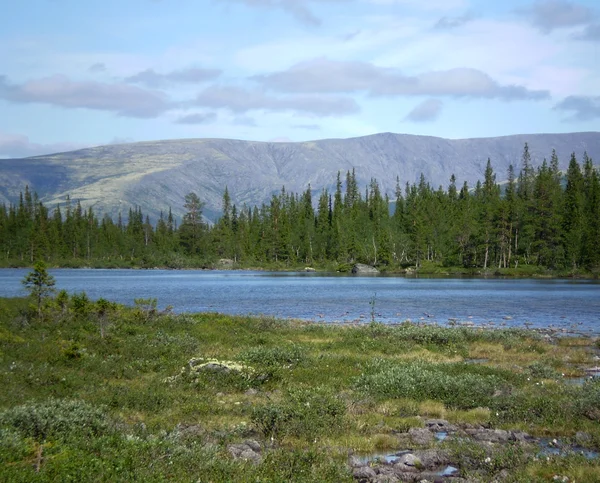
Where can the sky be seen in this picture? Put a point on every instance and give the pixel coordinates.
(78, 73)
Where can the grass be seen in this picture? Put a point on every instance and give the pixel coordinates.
(91, 393)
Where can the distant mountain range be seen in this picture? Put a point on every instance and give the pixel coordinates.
(157, 175)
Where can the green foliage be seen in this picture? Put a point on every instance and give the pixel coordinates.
(534, 224)
(287, 356)
(56, 419)
(588, 404)
(81, 304)
(79, 406)
(304, 412)
(463, 389)
(40, 284)
(145, 309)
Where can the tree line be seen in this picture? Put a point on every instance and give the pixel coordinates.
(540, 217)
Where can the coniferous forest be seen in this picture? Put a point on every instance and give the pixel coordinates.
(539, 220)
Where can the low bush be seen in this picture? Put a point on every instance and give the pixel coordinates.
(303, 413)
(56, 419)
(421, 380)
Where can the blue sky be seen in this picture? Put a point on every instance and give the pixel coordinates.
(81, 73)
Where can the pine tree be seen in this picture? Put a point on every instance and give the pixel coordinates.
(192, 227)
(40, 284)
(573, 214)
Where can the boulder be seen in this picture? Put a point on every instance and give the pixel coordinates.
(408, 463)
(490, 435)
(438, 425)
(364, 473)
(421, 436)
(226, 262)
(361, 268)
(431, 459)
(249, 450)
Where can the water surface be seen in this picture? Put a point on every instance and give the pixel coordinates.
(562, 304)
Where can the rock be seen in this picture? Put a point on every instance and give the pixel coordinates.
(520, 436)
(437, 425)
(489, 435)
(309, 269)
(215, 367)
(354, 462)
(385, 478)
(361, 268)
(226, 262)
(249, 450)
(193, 431)
(408, 463)
(431, 459)
(251, 392)
(364, 473)
(421, 436)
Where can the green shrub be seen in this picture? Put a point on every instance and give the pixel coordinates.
(421, 380)
(56, 419)
(303, 413)
(588, 404)
(81, 304)
(541, 370)
(544, 405)
(306, 465)
(272, 362)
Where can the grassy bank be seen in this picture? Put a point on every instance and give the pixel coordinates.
(100, 392)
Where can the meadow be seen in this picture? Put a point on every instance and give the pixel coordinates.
(95, 391)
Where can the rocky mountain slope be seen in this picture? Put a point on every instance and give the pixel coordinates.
(156, 175)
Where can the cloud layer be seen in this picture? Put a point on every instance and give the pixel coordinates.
(328, 76)
(58, 90)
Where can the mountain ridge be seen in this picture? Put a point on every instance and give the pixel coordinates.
(156, 175)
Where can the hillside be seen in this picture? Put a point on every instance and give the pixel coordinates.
(156, 175)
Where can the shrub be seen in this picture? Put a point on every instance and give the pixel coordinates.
(303, 413)
(420, 381)
(270, 362)
(81, 304)
(56, 418)
(588, 404)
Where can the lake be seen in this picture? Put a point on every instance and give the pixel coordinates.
(561, 304)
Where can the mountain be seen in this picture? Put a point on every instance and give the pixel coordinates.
(157, 175)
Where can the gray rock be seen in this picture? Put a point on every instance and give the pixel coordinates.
(251, 392)
(249, 450)
(437, 425)
(520, 436)
(489, 435)
(364, 473)
(408, 463)
(431, 459)
(421, 436)
(361, 268)
(385, 478)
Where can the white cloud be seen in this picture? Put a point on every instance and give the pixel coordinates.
(582, 108)
(427, 111)
(153, 79)
(60, 91)
(240, 100)
(549, 15)
(327, 76)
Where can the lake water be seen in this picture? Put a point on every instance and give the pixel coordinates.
(561, 304)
